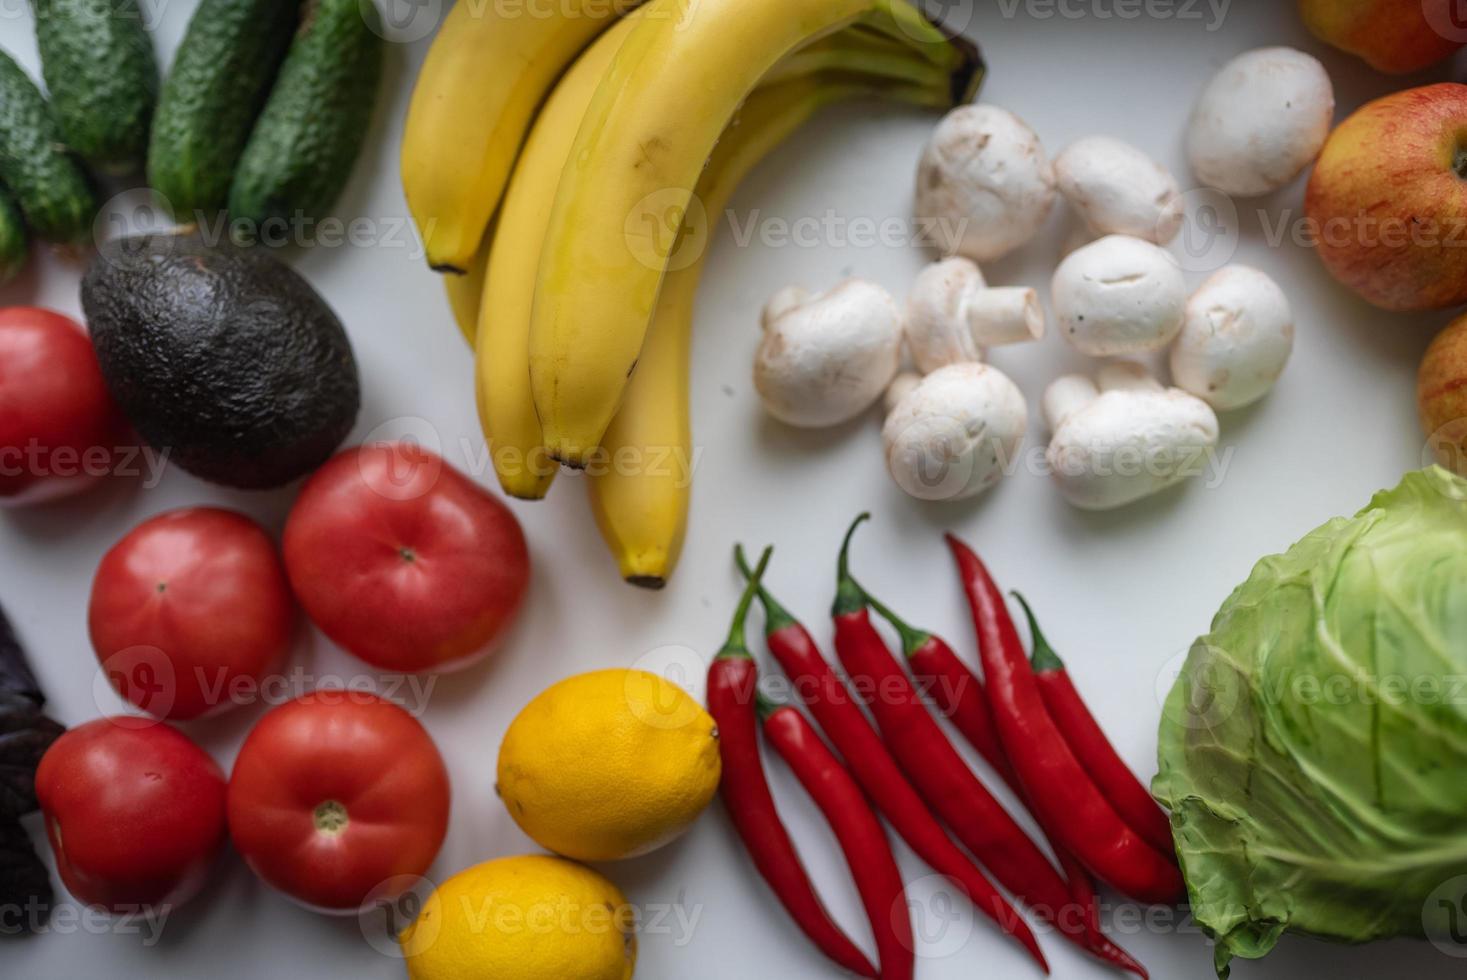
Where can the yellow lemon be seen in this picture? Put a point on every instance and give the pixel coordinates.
(523, 918)
(608, 765)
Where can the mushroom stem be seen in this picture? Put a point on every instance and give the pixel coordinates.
(900, 386)
(1125, 376)
(1005, 315)
(1065, 396)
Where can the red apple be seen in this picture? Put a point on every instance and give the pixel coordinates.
(1395, 36)
(1441, 396)
(1387, 203)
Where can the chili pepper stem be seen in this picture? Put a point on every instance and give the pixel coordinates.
(1043, 658)
(735, 645)
(766, 704)
(776, 617)
(912, 638)
(849, 596)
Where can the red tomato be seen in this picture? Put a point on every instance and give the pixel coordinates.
(189, 611)
(59, 427)
(334, 795)
(403, 561)
(134, 812)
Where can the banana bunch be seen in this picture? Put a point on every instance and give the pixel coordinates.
(576, 201)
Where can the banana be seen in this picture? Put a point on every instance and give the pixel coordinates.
(673, 87)
(502, 380)
(464, 291)
(502, 377)
(476, 94)
(641, 479)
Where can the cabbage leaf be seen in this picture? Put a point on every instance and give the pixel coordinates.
(1313, 752)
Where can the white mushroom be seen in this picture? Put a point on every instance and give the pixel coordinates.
(781, 302)
(1260, 121)
(826, 358)
(954, 434)
(1238, 335)
(1119, 190)
(953, 316)
(1123, 436)
(899, 388)
(1118, 295)
(984, 182)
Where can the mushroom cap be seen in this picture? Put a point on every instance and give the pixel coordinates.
(827, 359)
(985, 171)
(1129, 443)
(954, 434)
(1119, 190)
(937, 318)
(1236, 339)
(1260, 121)
(1118, 295)
(781, 302)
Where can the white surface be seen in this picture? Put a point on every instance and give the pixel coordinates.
(1122, 593)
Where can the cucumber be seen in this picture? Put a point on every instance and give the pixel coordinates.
(46, 179)
(303, 146)
(97, 60)
(220, 78)
(14, 244)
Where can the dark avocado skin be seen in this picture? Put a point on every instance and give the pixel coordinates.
(309, 134)
(98, 62)
(220, 78)
(221, 356)
(48, 183)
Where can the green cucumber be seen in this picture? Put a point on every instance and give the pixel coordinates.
(97, 60)
(46, 179)
(309, 134)
(219, 81)
(14, 243)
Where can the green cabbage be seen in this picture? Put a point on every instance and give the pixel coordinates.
(1313, 752)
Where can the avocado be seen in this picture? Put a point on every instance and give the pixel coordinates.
(223, 357)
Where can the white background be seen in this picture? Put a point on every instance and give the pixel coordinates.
(1122, 593)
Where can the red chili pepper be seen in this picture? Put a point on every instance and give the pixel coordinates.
(958, 693)
(732, 689)
(1087, 740)
(859, 833)
(839, 716)
(929, 759)
(1062, 793)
